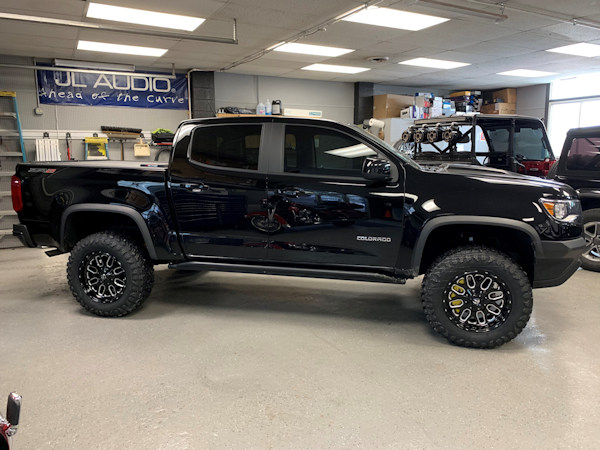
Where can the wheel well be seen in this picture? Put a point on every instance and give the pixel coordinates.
(513, 243)
(81, 224)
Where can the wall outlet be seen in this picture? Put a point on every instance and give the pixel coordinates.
(38, 111)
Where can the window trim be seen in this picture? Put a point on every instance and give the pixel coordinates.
(262, 159)
(280, 169)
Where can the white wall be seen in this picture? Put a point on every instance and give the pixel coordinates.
(335, 99)
(531, 101)
(80, 121)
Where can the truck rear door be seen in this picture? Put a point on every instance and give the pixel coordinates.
(217, 188)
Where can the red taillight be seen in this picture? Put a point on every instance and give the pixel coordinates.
(17, 196)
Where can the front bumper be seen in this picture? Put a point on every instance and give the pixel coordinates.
(557, 262)
(21, 231)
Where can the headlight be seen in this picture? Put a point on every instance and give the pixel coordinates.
(562, 210)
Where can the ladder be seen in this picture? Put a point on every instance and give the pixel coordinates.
(10, 154)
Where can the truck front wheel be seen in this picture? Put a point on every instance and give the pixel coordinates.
(476, 297)
(109, 275)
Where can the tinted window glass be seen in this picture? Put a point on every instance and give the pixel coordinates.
(529, 143)
(584, 154)
(500, 138)
(227, 146)
(315, 150)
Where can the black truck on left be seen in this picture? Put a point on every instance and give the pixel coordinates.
(312, 198)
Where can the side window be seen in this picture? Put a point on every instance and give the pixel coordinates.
(314, 150)
(499, 142)
(529, 143)
(500, 138)
(584, 154)
(234, 146)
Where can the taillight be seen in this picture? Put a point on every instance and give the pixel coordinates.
(16, 193)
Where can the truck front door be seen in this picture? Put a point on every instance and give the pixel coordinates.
(322, 210)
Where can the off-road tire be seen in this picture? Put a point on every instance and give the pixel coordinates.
(591, 257)
(485, 261)
(137, 270)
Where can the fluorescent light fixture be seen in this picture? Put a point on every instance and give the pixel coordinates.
(581, 49)
(334, 68)
(93, 65)
(434, 63)
(309, 49)
(394, 18)
(143, 17)
(466, 10)
(526, 73)
(118, 48)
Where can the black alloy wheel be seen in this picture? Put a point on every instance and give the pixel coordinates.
(103, 277)
(477, 301)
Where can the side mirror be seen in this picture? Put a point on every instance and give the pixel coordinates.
(377, 169)
(13, 410)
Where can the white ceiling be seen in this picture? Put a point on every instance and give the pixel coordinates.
(516, 43)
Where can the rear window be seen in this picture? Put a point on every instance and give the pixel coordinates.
(584, 154)
(529, 143)
(234, 146)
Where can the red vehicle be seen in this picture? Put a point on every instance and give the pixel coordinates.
(514, 143)
(8, 426)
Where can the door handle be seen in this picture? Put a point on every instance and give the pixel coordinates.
(195, 187)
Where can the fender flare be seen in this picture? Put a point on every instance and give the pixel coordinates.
(437, 222)
(111, 209)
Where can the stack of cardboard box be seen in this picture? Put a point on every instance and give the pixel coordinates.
(420, 106)
(466, 101)
(504, 102)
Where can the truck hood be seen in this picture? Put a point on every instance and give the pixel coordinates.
(499, 176)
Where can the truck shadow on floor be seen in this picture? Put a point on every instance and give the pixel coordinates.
(197, 291)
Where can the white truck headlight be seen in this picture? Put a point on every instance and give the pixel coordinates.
(562, 210)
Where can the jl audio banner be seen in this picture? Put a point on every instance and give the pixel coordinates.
(138, 90)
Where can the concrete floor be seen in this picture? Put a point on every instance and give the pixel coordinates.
(219, 360)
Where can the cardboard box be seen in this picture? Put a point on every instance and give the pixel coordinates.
(505, 96)
(460, 94)
(499, 108)
(390, 105)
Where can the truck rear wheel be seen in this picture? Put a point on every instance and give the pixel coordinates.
(109, 274)
(476, 297)
(591, 232)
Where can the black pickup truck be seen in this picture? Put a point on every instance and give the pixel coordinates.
(312, 198)
(579, 167)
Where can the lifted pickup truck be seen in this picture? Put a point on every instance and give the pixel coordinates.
(579, 167)
(312, 198)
